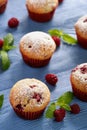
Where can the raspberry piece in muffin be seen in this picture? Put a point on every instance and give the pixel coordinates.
(83, 69)
(37, 96)
(29, 98)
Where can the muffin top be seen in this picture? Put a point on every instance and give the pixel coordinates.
(41, 6)
(37, 44)
(29, 95)
(79, 73)
(81, 26)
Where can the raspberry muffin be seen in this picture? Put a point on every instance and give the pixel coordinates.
(37, 48)
(78, 80)
(41, 10)
(3, 5)
(81, 31)
(29, 98)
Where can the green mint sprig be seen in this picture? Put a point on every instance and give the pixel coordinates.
(7, 46)
(4, 60)
(65, 37)
(8, 42)
(50, 110)
(1, 100)
(63, 102)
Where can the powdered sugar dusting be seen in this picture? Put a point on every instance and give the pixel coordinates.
(37, 1)
(80, 72)
(41, 6)
(24, 94)
(81, 25)
(38, 43)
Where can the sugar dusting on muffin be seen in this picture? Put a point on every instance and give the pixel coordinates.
(37, 48)
(29, 94)
(81, 31)
(80, 72)
(81, 25)
(38, 43)
(78, 79)
(41, 6)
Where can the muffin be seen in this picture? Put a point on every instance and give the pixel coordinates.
(29, 98)
(81, 31)
(37, 48)
(3, 4)
(78, 80)
(41, 10)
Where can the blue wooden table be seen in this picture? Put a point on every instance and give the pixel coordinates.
(64, 59)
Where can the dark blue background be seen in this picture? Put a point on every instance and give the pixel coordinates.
(64, 59)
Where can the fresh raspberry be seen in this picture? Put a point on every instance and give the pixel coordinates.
(13, 22)
(51, 79)
(1, 43)
(75, 109)
(59, 114)
(56, 40)
(60, 1)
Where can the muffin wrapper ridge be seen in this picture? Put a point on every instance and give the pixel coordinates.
(3, 7)
(79, 94)
(41, 17)
(36, 62)
(82, 41)
(29, 115)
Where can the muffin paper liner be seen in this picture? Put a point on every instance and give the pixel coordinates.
(41, 17)
(82, 41)
(36, 62)
(3, 7)
(79, 94)
(28, 115)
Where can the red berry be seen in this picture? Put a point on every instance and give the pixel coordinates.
(59, 114)
(51, 79)
(56, 40)
(1, 43)
(60, 1)
(13, 22)
(75, 109)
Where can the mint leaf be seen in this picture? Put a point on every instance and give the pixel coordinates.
(1, 100)
(8, 48)
(8, 39)
(55, 32)
(63, 101)
(5, 60)
(50, 110)
(69, 39)
(66, 98)
(65, 37)
(65, 106)
(8, 42)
